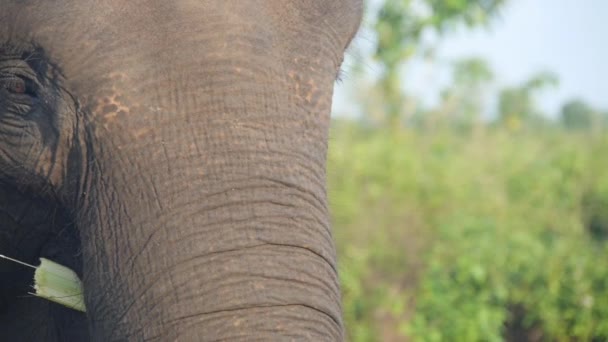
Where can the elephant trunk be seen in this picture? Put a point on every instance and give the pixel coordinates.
(206, 211)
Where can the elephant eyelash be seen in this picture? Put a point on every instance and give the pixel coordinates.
(340, 75)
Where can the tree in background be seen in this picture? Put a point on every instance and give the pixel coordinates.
(400, 26)
(463, 100)
(578, 115)
(517, 106)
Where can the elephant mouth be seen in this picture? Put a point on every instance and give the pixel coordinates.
(32, 227)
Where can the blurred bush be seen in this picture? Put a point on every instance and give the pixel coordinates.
(451, 237)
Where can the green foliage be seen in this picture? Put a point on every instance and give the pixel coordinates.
(472, 72)
(481, 236)
(514, 107)
(456, 238)
(517, 105)
(542, 80)
(400, 25)
(470, 76)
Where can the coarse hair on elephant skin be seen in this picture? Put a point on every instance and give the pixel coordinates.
(172, 153)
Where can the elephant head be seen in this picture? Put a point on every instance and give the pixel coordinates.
(183, 144)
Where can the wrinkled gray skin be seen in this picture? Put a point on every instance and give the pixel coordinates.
(173, 153)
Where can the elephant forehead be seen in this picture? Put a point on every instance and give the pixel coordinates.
(89, 26)
(115, 55)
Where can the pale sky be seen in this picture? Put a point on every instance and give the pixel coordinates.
(568, 37)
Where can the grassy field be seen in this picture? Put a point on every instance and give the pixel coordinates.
(492, 236)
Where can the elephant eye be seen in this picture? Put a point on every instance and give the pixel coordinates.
(18, 86)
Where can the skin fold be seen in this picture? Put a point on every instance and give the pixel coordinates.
(173, 154)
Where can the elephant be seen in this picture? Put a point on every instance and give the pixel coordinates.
(173, 154)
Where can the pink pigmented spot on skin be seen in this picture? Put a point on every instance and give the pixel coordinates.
(312, 90)
(138, 133)
(110, 108)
